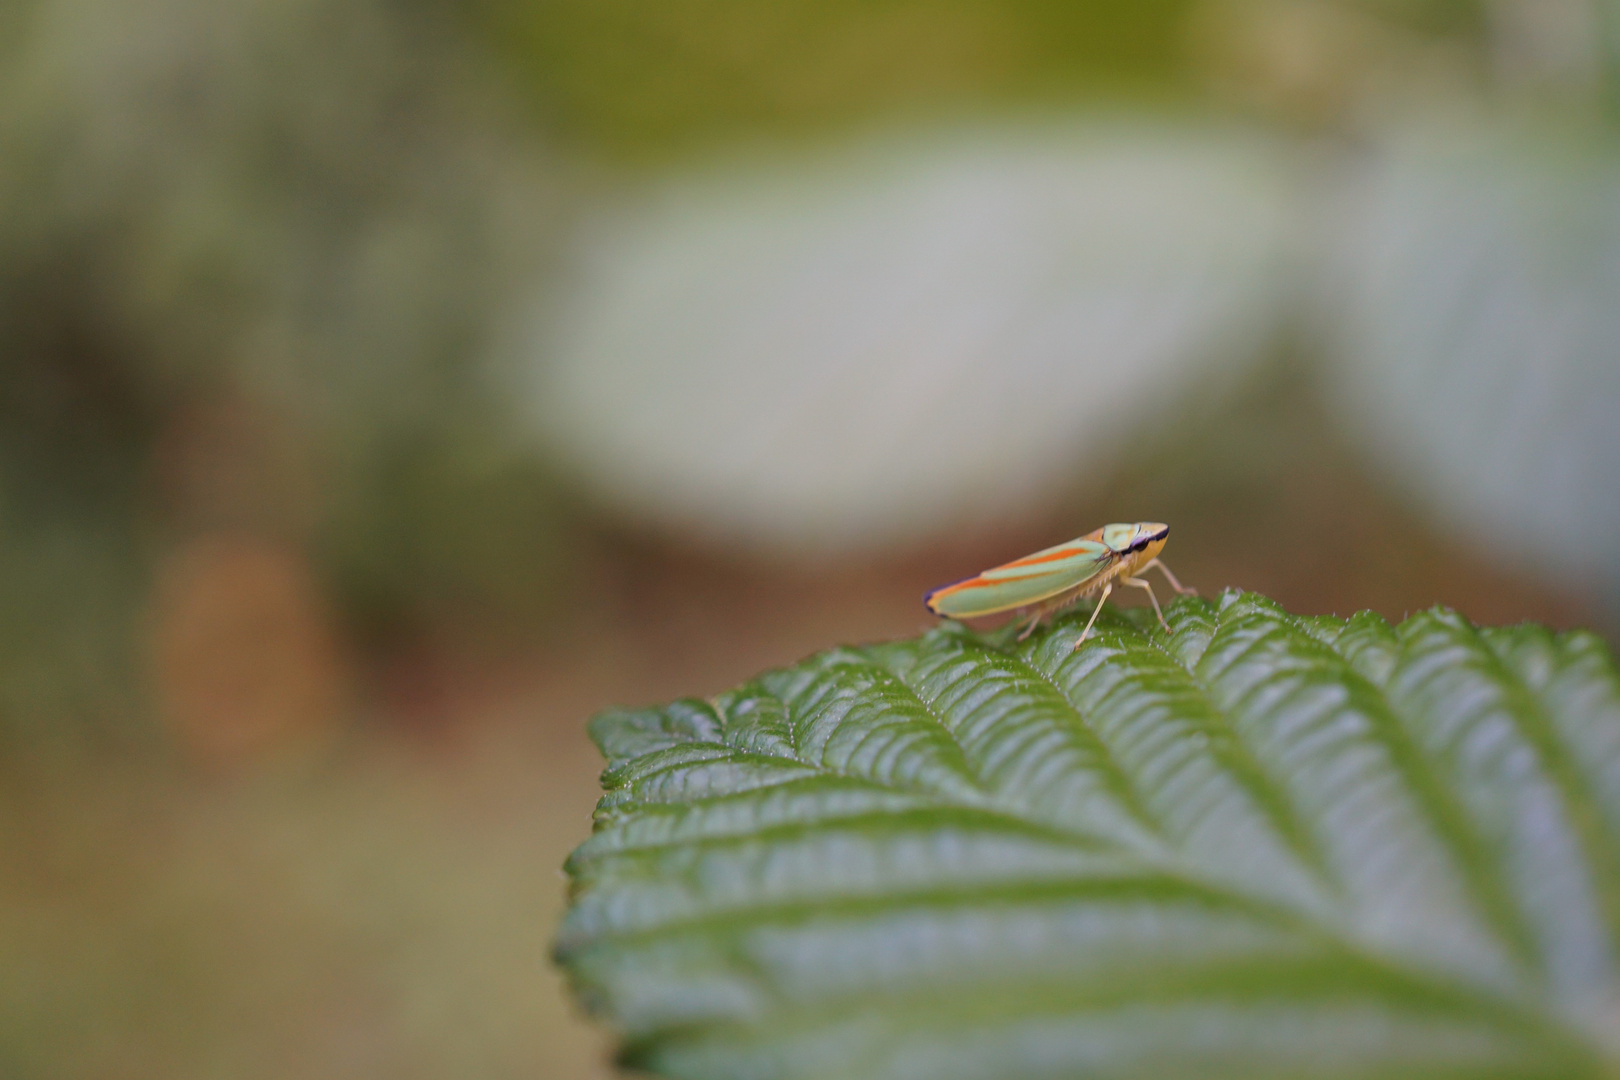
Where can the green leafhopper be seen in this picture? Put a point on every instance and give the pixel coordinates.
(1058, 576)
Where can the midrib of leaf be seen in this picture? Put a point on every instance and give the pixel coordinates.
(1255, 981)
(1144, 885)
(927, 1037)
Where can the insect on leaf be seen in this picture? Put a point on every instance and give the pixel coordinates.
(1259, 846)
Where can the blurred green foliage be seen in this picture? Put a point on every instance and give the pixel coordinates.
(638, 84)
(78, 414)
(252, 263)
(453, 528)
(634, 81)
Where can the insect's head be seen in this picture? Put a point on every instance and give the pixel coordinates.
(1147, 537)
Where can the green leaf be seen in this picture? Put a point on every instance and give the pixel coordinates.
(1260, 845)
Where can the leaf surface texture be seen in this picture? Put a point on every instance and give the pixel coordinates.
(1260, 845)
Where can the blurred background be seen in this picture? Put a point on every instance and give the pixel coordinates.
(388, 385)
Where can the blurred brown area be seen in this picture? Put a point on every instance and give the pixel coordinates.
(382, 912)
(244, 659)
(300, 625)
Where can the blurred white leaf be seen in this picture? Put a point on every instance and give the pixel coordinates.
(906, 338)
(1475, 302)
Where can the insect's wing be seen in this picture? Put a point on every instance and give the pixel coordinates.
(1084, 556)
(1033, 578)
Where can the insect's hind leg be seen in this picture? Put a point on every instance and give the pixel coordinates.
(1045, 608)
(1184, 590)
(1033, 623)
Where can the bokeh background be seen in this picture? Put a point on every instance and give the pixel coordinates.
(387, 385)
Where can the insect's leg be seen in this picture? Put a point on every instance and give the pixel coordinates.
(1174, 584)
(1108, 588)
(1033, 623)
(1141, 584)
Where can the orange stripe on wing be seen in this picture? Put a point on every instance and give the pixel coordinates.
(982, 580)
(1036, 560)
(972, 582)
(953, 587)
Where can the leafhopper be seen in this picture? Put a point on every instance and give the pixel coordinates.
(1058, 576)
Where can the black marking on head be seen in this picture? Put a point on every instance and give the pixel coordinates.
(1141, 544)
